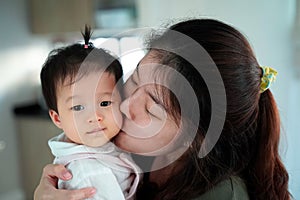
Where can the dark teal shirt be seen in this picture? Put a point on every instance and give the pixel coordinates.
(233, 188)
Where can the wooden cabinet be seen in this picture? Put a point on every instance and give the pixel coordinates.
(33, 134)
(52, 16)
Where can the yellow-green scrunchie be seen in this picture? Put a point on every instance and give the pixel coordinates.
(269, 76)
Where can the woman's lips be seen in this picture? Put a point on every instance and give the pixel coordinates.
(124, 134)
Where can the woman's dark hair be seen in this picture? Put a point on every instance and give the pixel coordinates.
(67, 62)
(248, 144)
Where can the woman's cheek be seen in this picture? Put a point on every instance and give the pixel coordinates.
(123, 141)
(117, 116)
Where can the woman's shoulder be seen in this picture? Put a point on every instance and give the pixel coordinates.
(233, 188)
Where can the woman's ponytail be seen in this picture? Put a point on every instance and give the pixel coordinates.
(269, 178)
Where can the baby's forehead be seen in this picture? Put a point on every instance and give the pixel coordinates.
(100, 82)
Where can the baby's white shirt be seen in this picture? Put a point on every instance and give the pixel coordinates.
(106, 168)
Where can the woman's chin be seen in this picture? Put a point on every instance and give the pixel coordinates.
(121, 141)
(128, 143)
(137, 146)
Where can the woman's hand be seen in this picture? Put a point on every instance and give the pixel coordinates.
(47, 187)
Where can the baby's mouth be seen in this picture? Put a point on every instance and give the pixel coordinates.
(96, 130)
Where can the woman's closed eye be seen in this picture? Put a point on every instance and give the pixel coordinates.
(105, 103)
(77, 108)
(157, 111)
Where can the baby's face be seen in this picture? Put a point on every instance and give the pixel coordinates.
(88, 110)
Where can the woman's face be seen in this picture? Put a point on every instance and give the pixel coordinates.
(147, 128)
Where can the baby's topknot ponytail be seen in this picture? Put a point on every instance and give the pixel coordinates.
(87, 36)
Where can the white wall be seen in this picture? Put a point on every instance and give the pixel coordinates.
(268, 24)
(21, 56)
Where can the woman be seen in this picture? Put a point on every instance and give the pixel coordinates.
(172, 102)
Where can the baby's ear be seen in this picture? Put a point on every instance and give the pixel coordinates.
(55, 118)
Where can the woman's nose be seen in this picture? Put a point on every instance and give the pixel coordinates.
(124, 108)
(134, 110)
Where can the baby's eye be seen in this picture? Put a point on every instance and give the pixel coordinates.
(77, 108)
(105, 103)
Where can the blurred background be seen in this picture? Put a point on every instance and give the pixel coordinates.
(31, 28)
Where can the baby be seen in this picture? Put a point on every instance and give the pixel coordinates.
(81, 85)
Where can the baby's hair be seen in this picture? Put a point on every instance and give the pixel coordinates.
(87, 34)
(66, 64)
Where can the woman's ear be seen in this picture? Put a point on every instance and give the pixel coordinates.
(55, 118)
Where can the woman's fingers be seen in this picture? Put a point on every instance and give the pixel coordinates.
(47, 190)
(45, 193)
(79, 194)
(56, 171)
